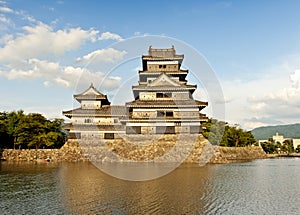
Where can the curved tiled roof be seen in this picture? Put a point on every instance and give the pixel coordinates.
(166, 103)
(144, 87)
(87, 127)
(90, 94)
(176, 72)
(162, 54)
(108, 110)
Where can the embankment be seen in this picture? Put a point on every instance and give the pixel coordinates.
(235, 154)
(190, 149)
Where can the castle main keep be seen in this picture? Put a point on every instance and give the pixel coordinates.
(163, 103)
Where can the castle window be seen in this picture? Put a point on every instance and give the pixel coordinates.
(87, 121)
(161, 113)
(133, 130)
(109, 136)
(163, 95)
(159, 95)
(169, 113)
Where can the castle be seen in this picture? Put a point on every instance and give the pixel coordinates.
(163, 104)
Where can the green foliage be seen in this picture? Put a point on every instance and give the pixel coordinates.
(271, 148)
(220, 133)
(287, 146)
(263, 133)
(214, 130)
(13, 122)
(30, 131)
(4, 137)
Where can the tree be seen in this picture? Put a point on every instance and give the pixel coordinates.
(288, 146)
(219, 132)
(36, 131)
(4, 137)
(31, 126)
(214, 130)
(28, 131)
(269, 147)
(44, 139)
(13, 122)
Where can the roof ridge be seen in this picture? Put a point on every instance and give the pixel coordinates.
(97, 92)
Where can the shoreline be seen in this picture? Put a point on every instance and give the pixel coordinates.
(289, 155)
(125, 151)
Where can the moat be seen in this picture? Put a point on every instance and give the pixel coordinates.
(267, 186)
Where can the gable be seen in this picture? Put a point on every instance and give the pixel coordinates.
(163, 80)
(91, 91)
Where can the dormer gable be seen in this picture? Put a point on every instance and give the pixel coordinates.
(92, 98)
(163, 80)
(90, 94)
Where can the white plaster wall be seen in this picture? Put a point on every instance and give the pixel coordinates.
(180, 95)
(141, 113)
(90, 104)
(95, 120)
(169, 65)
(189, 113)
(296, 142)
(147, 95)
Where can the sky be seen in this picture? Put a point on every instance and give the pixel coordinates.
(50, 50)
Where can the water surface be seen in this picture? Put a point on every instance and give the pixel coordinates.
(258, 187)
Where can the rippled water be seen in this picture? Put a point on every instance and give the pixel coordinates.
(258, 187)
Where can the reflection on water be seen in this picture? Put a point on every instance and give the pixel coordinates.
(93, 191)
(258, 187)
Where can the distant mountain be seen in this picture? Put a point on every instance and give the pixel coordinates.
(264, 133)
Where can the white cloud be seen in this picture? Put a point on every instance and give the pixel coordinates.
(110, 36)
(41, 40)
(270, 99)
(21, 55)
(62, 82)
(283, 103)
(30, 18)
(47, 83)
(4, 20)
(295, 79)
(66, 76)
(105, 55)
(6, 10)
(21, 74)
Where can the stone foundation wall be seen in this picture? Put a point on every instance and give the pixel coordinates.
(190, 148)
(234, 154)
(69, 152)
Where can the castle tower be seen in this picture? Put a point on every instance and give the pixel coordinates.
(163, 99)
(163, 103)
(95, 118)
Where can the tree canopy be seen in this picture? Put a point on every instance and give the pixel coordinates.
(33, 130)
(271, 147)
(220, 133)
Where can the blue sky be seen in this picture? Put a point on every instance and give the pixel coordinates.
(252, 46)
